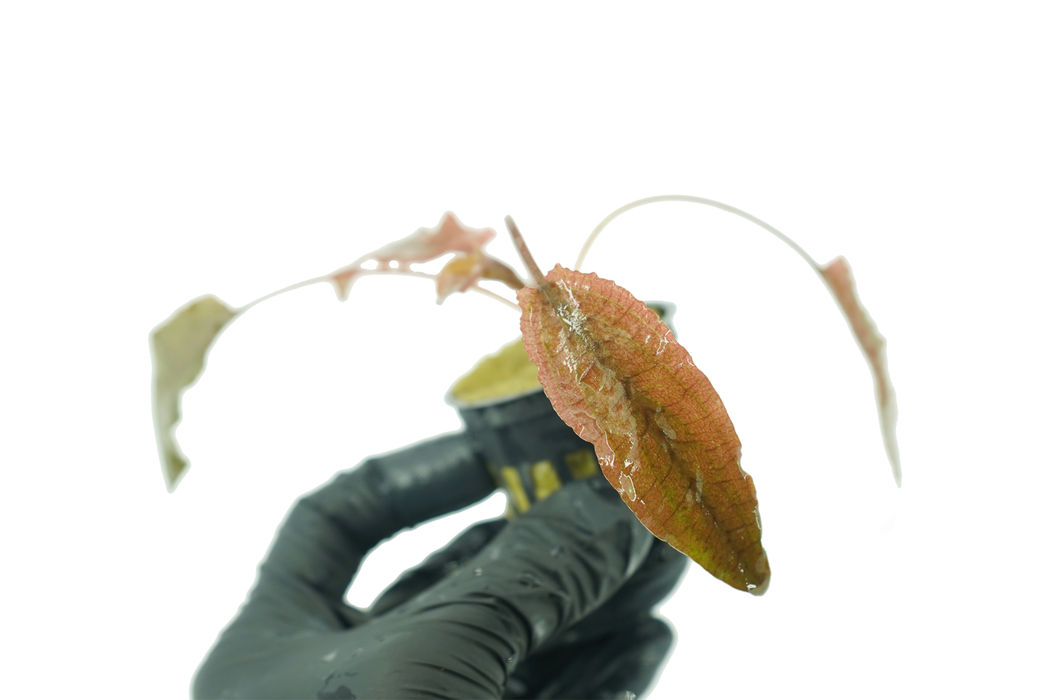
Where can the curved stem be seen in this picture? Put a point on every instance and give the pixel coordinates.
(365, 273)
(696, 200)
(427, 276)
(493, 295)
(297, 285)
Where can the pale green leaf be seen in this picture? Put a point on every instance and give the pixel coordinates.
(178, 347)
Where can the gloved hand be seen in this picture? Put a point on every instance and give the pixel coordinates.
(555, 603)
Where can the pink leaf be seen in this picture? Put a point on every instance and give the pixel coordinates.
(839, 278)
(426, 244)
(616, 375)
(449, 236)
(463, 271)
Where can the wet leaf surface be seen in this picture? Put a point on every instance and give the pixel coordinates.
(617, 376)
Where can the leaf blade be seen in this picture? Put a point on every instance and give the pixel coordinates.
(178, 348)
(465, 269)
(840, 280)
(616, 375)
(449, 236)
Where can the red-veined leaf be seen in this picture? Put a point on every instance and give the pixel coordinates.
(617, 376)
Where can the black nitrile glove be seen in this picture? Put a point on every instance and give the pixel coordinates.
(554, 603)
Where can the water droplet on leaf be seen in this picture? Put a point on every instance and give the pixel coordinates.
(627, 484)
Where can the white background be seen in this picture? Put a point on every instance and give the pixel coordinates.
(151, 154)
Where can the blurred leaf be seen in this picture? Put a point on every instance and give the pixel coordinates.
(615, 373)
(449, 236)
(178, 347)
(464, 270)
(840, 279)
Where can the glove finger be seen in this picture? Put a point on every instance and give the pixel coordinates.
(557, 563)
(437, 566)
(654, 581)
(611, 666)
(545, 571)
(327, 534)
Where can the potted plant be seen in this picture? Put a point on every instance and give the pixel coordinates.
(610, 369)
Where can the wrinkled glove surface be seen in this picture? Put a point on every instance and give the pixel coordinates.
(553, 604)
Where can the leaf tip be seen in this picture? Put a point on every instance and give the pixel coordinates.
(342, 281)
(174, 467)
(764, 574)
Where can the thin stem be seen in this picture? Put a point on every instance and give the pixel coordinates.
(696, 200)
(530, 262)
(427, 276)
(365, 273)
(493, 295)
(297, 285)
